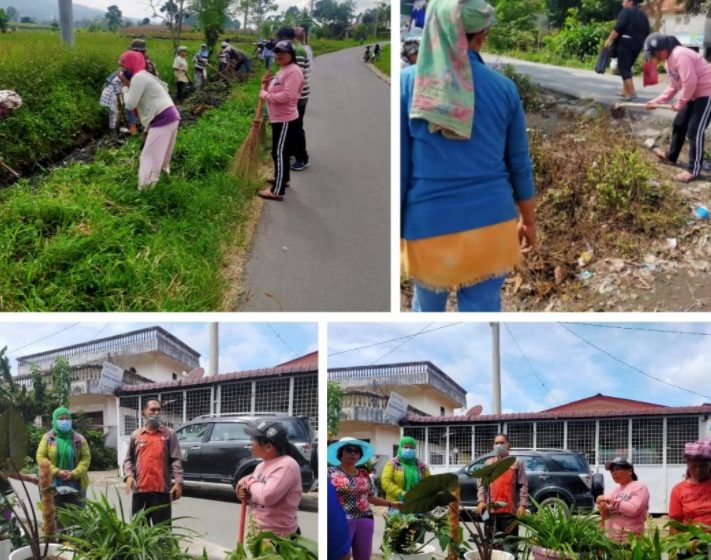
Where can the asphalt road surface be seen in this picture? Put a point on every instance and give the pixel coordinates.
(583, 84)
(326, 247)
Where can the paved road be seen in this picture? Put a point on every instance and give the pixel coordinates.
(583, 84)
(213, 515)
(326, 247)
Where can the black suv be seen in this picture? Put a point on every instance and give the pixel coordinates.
(556, 478)
(216, 448)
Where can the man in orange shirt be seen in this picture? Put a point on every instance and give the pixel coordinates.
(510, 488)
(152, 460)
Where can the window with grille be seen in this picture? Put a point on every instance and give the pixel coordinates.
(172, 408)
(306, 398)
(549, 435)
(460, 445)
(129, 419)
(520, 434)
(418, 434)
(680, 430)
(437, 445)
(272, 395)
(484, 437)
(236, 398)
(197, 403)
(581, 438)
(614, 441)
(647, 441)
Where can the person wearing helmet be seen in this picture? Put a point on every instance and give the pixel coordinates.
(180, 71)
(690, 78)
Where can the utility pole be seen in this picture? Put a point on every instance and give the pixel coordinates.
(66, 22)
(213, 349)
(377, 13)
(495, 369)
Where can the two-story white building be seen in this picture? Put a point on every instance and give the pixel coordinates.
(426, 389)
(150, 355)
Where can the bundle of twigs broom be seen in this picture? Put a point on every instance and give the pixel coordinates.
(245, 164)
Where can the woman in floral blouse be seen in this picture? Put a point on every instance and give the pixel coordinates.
(355, 492)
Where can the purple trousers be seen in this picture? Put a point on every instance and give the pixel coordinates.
(361, 533)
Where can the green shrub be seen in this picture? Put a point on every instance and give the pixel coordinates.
(578, 40)
(528, 90)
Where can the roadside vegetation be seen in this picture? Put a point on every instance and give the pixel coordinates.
(383, 63)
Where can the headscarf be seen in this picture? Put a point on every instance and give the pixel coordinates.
(10, 100)
(444, 86)
(656, 42)
(134, 61)
(66, 459)
(410, 469)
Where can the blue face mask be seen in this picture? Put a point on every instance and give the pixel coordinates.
(409, 453)
(64, 426)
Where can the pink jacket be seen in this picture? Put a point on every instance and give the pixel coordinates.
(628, 510)
(275, 494)
(688, 72)
(282, 94)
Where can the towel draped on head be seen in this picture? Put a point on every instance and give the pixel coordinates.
(133, 61)
(444, 87)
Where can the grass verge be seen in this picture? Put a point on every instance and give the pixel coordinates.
(85, 239)
(383, 63)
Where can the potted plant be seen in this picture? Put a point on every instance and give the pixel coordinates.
(10, 533)
(553, 535)
(424, 512)
(99, 531)
(482, 534)
(13, 449)
(265, 545)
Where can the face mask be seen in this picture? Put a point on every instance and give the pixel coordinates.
(64, 425)
(500, 450)
(154, 422)
(409, 453)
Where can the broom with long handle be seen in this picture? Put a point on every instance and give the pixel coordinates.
(242, 518)
(246, 160)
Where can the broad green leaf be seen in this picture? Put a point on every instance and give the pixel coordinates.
(431, 492)
(489, 473)
(13, 440)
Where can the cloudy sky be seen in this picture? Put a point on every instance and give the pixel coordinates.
(544, 364)
(141, 8)
(242, 346)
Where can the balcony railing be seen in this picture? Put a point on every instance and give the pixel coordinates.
(417, 373)
(89, 375)
(153, 339)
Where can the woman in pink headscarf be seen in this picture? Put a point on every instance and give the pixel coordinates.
(159, 117)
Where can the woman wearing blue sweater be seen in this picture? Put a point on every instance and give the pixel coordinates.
(466, 187)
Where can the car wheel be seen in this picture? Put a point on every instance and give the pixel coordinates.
(555, 504)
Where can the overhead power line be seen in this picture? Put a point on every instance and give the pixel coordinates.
(631, 366)
(402, 343)
(282, 340)
(666, 331)
(550, 393)
(43, 338)
(406, 337)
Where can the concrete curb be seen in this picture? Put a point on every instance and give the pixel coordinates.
(378, 73)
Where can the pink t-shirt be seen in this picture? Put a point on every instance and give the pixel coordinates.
(283, 93)
(629, 504)
(689, 72)
(275, 494)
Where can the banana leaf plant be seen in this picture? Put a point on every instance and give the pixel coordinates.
(483, 537)
(13, 449)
